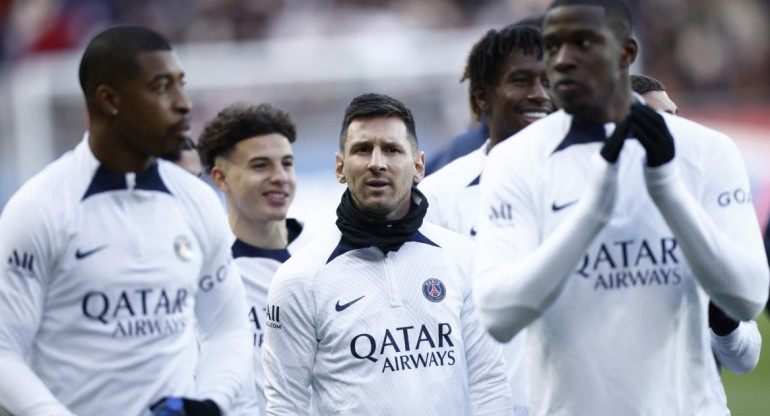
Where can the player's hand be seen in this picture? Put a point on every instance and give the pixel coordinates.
(720, 323)
(612, 146)
(192, 407)
(651, 131)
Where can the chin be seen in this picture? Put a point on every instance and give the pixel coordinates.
(573, 107)
(276, 215)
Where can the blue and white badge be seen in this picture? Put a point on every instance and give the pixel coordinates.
(434, 290)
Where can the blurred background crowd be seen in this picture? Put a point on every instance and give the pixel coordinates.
(704, 48)
(312, 56)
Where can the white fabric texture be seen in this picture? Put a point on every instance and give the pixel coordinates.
(453, 202)
(257, 267)
(361, 327)
(101, 317)
(580, 253)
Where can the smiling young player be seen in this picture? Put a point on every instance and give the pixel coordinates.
(508, 86)
(247, 150)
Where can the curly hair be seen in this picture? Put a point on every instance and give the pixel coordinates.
(240, 122)
(488, 56)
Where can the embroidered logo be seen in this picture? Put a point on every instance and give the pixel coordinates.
(183, 248)
(434, 290)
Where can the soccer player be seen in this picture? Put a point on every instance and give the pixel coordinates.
(508, 86)
(477, 135)
(736, 344)
(188, 159)
(654, 93)
(247, 151)
(378, 317)
(114, 258)
(609, 249)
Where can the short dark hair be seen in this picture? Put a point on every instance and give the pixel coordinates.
(110, 57)
(488, 56)
(239, 122)
(617, 12)
(642, 84)
(377, 105)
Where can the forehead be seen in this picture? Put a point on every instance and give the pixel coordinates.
(152, 64)
(390, 130)
(264, 145)
(574, 18)
(518, 60)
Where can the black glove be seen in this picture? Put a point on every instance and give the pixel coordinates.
(651, 131)
(720, 323)
(612, 146)
(194, 407)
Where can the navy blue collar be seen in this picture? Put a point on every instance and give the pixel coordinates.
(474, 182)
(344, 245)
(105, 180)
(242, 249)
(582, 132)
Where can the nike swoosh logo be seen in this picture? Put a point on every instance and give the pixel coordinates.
(555, 207)
(80, 255)
(341, 308)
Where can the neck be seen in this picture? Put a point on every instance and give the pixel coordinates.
(271, 235)
(616, 108)
(494, 138)
(109, 150)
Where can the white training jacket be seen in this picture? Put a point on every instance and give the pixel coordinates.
(258, 266)
(611, 267)
(106, 278)
(376, 334)
(453, 203)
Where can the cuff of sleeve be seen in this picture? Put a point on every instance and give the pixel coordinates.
(730, 340)
(662, 180)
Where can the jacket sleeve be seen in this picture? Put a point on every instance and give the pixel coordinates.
(718, 235)
(26, 257)
(739, 350)
(488, 383)
(221, 313)
(290, 345)
(518, 276)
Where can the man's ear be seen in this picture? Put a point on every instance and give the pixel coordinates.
(419, 167)
(107, 100)
(338, 168)
(629, 49)
(480, 97)
(219, 179)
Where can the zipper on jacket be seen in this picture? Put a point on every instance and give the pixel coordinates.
(393, 295)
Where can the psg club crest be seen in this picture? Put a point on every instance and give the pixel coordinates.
(183, 248)
(434, 290)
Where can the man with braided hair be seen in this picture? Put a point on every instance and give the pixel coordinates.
(508, 86)
(247, 150)
(608, 249)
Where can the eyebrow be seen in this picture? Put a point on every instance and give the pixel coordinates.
(165, 76)
(265, 158)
